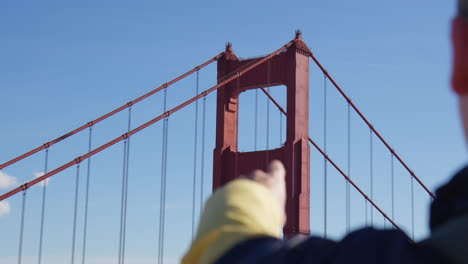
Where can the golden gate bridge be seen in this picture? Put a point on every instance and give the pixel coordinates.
(288, 66)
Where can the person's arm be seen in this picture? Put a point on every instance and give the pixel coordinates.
(241, 210)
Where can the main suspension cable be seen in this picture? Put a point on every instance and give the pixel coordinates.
(347, 178)
(370, 125)
(115, 111)
(225, 81)
(44, 190)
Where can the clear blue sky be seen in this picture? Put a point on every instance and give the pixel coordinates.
(62, 65)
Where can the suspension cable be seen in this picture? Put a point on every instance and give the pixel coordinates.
(75, 212)
(202, 155)
(281, 129)
(115, 111)
(20, 247)
(44, 190)
(268, 111)
(85, 222)
(412, 207)
(122, 197)
(268, 123)
(356, 187)
(163, 184)
(348, 191)
(370, 125)
(393, 187)
(225, 80)
(256, 119)
(325, 176)
(371, 177)
(365, 205)
(161, 200)
(124, 201)
(164, 196)
(195, 160)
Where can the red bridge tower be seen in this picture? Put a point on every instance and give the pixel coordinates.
(290, 68)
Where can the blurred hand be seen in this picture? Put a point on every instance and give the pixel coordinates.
(274, 180)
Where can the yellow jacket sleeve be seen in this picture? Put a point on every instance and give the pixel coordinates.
(240, 210)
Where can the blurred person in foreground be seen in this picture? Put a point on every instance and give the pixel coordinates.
(242, 222)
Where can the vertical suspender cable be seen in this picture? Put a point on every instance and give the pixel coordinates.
(393, 188)
(348, 191)
(365, 206)
(23, 209)
(194, 183)
(412, 207)
(256, 119)
(77, 184)
(129, 126)
(88, 173)
(268, 110)
(325, 178)
(371, 177)
(268, 122)
(124, 195)
(44, 190)
(161, 201)
(163, 183)
(202, 154)
(281, 128)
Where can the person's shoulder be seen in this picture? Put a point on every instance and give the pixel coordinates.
(371, 245)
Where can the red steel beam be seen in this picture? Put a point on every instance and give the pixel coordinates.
(115, 111)
(145, 125)
(371, 126)
(347, 178)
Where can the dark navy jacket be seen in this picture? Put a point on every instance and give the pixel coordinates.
(366, 246)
